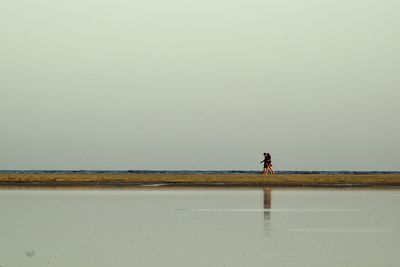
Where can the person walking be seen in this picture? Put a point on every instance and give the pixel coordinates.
(267, 164)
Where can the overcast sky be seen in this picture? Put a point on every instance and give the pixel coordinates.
(210, 84)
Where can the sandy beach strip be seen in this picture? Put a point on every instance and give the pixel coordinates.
(246, 180)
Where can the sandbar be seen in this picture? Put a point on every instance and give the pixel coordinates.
(243, 180)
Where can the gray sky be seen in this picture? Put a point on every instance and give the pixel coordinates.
(199, 84)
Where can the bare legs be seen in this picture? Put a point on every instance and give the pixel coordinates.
(268, 169)
(265, 172)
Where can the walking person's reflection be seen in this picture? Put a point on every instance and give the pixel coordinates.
(267, 203)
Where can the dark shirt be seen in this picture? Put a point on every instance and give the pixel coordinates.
(267, 160)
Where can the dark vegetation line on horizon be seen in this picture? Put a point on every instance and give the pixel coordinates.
(191, 172)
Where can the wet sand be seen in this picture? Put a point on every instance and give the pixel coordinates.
(246, 180)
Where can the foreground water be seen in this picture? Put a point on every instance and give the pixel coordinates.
(198, 227)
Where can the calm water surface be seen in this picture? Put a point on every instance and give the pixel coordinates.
(199, 227)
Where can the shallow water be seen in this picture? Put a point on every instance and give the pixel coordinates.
(199, 227)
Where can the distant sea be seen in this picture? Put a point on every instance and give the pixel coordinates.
(186, 172)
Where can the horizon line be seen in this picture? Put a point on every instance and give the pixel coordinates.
(186, 170)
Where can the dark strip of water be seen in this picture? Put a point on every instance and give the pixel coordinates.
(185, 172)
